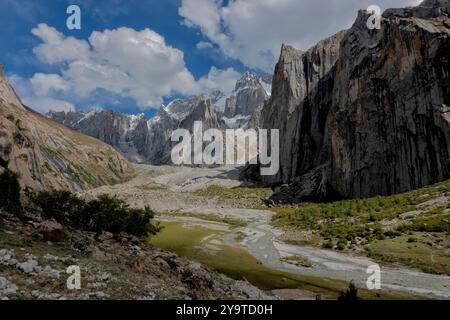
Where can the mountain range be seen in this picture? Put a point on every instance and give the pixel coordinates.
(144, 140)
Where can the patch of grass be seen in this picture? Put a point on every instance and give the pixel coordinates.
(242, 196)
(152, 187)
(298, 261)
(361, 218)
(424, 252)
(49, 167)
(234, 223)
(439, 222)
(357, 224)
(239, 264)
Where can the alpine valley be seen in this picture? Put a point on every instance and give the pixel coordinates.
(362, 194)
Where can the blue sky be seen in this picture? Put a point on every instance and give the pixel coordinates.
(134, 55)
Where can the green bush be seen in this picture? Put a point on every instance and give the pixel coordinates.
(342, 244)
(10, 193)
(433, 223)
(351, 294)
(106, 213)
(328, 245)
(63, 206)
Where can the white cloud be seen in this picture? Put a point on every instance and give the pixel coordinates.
(123, 62)
(225, 80)
(202, 13)
(202, 45)
(252, 31)
(32, 94)
(58, 48)
(45, 83)
(46, 104)
(131, 64)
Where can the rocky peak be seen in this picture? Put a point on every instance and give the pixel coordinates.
(428, 9)
(161, 115)
(204, 111)
(435, 3)
(248, 98)
(66, 118)
(365, 112)
(215, 96)
(149, 141)
(7, 92)
(248, 80)
(180, 108)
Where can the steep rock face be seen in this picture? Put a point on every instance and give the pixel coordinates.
(48, 155)
(162, 126)
(370, 116)
(292, 109)
(69, 118)
(7, 92)
(159, 144)
(204, 111)
(124, 132)
(243, 107)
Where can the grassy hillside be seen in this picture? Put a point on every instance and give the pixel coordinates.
(412, 228)
(47, 155)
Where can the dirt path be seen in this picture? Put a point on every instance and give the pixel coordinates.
(169, 189)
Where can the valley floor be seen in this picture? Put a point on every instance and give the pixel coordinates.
(210, 217)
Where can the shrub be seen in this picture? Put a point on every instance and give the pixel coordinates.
(351, 294)
(433, 223)
(63, 206)
(342, 244)
(392, 234)
(112, 214)
(10, 193)
(106, 213)
(328, 245)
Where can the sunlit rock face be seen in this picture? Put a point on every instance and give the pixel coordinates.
(365, 112)
(49, 156)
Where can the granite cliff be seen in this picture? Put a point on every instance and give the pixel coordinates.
(365, 112)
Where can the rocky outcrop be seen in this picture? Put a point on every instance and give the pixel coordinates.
(158, 146)
(365, 112)
(202, 110)
(247, 96)
(299, 76)
(7, 92)
(48, 155)
(243, 107)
